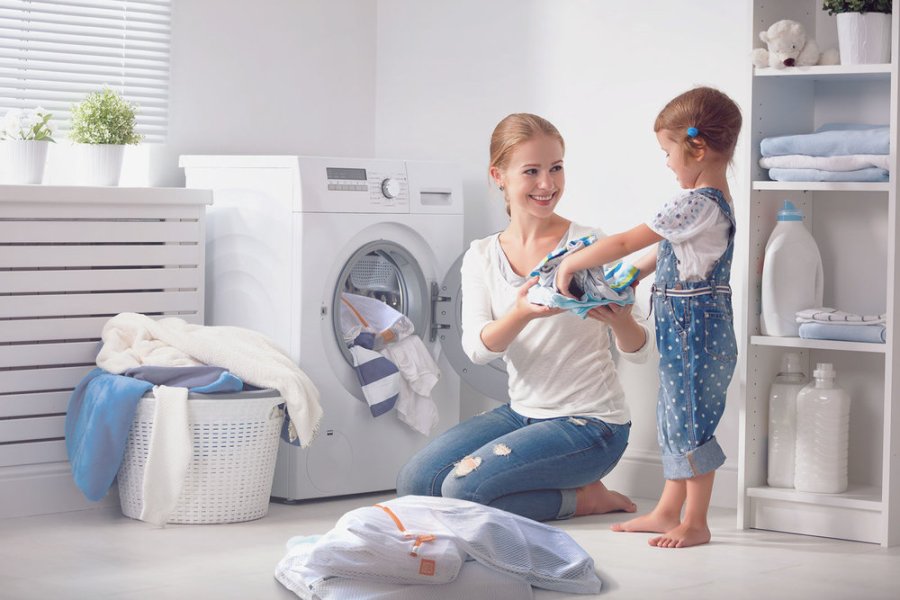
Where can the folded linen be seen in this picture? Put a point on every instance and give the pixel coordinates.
(850, 162)
(873, 334)
(870, 174)
(830, 142)
(832, 315)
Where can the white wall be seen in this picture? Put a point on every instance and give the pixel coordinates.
(269, 77)
(447, 72)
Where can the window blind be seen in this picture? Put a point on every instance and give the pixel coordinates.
(55, 52)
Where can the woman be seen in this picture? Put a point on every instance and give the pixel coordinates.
(567, 424)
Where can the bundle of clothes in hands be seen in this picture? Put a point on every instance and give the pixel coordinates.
(834, 152)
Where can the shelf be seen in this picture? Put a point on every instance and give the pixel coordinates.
(821, 186)
(829, 72)
(792, 342)
(858, 497)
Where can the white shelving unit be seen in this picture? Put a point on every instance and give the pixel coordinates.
(71, 258)
(856, 228)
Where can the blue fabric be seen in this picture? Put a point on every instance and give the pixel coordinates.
(547, 460)
(830, 142)
(99, 416)
(202, 378)
(591, 287)
(875, 334)
(378, 378)
(98, 419)
(698, 354)
(867, 174)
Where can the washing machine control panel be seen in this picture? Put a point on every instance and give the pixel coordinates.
(384, 187)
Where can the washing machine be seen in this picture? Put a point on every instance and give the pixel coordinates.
(286, 237)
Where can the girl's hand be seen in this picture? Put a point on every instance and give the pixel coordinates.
(563, 279)
(529, 310)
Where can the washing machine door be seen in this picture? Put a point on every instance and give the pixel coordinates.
(490, 379)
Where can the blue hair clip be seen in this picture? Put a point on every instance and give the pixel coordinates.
(692, 132)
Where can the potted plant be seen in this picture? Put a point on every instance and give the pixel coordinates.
(102, 124)
(26, 134)
(864, 30)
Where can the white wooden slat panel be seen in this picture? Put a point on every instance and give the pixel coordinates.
(40, 403)
(67, 328)
(34, 380)
(46, 355)
(13, 232)
(99, 256)
(32, 428)
(82, 280)
(97, 210)
(51, 305)
(30, 453)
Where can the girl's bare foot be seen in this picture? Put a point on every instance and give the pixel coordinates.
(595, 498)
(652, 522)
(682, 536)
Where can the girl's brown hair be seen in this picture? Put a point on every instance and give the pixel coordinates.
(715, 116)
(515, 129)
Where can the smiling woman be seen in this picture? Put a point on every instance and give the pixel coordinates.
(567, 424)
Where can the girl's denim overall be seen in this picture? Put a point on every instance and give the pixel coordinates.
(698, 353)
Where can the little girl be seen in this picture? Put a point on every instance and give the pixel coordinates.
(691, 299)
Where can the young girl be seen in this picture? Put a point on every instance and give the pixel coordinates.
(692, 303)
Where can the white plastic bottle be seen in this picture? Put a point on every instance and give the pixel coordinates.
(823, 432)
(792, 278)
(783, 421)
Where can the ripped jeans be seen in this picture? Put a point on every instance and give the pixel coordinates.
(526, 466)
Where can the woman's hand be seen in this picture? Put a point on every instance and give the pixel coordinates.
(528, 310)
(630, 337)
(612, 314)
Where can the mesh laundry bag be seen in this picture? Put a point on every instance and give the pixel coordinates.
(473, 581)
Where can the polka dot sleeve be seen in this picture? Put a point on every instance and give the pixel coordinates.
(684, 216)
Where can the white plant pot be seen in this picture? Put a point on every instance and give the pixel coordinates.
(25, 160)
(864, 38)
(101, 164)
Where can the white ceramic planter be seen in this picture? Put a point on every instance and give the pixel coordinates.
(864, 38)
(25, 160)
(101, 164)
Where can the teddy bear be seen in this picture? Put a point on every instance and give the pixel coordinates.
(790, 46)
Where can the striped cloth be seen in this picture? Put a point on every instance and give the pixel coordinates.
(378, 377)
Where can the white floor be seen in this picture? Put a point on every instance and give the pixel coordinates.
(101, 554)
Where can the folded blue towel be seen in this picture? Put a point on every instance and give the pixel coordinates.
(867, 174)
(875, 334)
(830, 142)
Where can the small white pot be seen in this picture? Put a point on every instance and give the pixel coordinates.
(101, 164)
(864, 38)
(25, 160)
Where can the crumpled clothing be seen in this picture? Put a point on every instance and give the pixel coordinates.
(591, 287)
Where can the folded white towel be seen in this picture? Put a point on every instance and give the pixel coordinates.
(832, 315)
(848, 162)
(131, 340)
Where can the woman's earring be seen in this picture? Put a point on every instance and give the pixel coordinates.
(502, 188)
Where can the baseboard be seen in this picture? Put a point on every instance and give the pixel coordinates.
(42, 489)
(640, 474)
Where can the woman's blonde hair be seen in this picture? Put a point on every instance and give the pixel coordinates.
(515, 129)
(701, 116)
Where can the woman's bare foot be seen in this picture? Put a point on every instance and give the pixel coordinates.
(682, 536)
(652, 522)
(595, 498)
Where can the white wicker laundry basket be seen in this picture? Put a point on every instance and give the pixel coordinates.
(235, 439)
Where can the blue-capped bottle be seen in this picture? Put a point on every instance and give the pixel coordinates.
(792, 277)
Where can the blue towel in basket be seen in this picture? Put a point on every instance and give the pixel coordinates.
(99, 418)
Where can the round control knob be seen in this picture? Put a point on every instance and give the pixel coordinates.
(390, 188)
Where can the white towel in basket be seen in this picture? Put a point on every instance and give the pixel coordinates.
(132, 339)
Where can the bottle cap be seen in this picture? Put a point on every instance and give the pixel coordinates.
(824, 371)
(790, 362)
(789, 212)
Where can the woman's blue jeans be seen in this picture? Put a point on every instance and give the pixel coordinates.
(529, 467)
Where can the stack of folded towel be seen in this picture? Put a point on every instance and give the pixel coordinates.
(835, 152)
(831, 324)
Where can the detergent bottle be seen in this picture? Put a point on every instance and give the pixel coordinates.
(783, 421)
(792, 278)
(823, 434)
